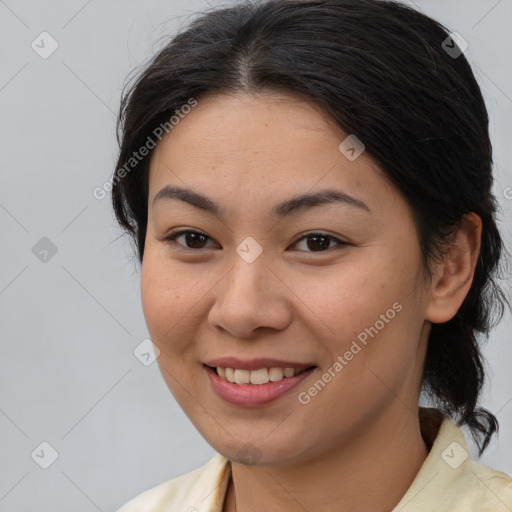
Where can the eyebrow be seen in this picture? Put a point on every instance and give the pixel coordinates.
(293, 205)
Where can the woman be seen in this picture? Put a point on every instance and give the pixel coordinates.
(309, 187)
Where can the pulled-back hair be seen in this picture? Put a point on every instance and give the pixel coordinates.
(383, 72)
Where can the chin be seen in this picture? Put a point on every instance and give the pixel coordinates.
(259, 453)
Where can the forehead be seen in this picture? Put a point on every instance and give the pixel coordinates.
(245, 125)
(252, 146)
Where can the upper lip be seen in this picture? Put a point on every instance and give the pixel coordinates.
(255, 364)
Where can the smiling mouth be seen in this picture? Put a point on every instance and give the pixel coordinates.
(259, 376)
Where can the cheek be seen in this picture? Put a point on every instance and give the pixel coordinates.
(352, 297)
(374, 303)
(174, 301)
(165, 301)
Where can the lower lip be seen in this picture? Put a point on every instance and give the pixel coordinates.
(254, 395)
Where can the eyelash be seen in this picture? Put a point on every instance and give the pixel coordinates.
(172, 238)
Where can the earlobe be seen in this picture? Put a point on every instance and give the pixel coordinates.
(453, 276)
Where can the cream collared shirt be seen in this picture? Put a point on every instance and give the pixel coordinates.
(448, 480)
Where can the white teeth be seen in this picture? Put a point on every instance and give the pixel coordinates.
(289, 372)
(242, 376)
(275, 374)
(260, 376)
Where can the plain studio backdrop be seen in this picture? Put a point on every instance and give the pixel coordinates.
(85, 424)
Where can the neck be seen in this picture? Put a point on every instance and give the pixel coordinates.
(370, 472)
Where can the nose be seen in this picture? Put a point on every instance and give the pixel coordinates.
(250, 297)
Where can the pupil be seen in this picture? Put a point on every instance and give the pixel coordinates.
(190, 239)
(314, 247)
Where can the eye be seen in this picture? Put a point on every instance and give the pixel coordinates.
(195, 240)
(320, 241)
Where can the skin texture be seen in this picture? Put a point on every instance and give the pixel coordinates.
(357, 444)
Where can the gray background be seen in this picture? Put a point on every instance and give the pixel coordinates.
(69, 326)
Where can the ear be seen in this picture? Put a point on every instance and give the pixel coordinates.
(453, 276)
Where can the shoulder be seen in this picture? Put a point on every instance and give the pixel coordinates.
(474, 485)
(486, 489)
(449, 480)
(190, 492)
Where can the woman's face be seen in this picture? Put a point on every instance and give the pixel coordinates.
(347, 300)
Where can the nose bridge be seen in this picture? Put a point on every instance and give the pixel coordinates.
(248, 298)
(247, 273)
